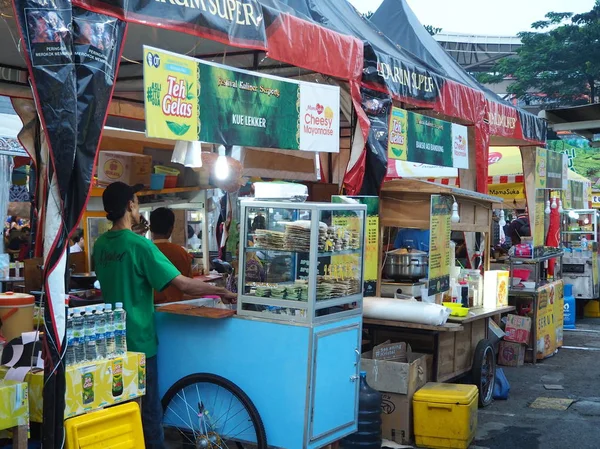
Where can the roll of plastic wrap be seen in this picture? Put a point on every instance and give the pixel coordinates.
(409, 311)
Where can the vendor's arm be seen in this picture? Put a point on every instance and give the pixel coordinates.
(198, 288)
(161, 273)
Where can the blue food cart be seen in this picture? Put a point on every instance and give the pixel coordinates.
(284, 371)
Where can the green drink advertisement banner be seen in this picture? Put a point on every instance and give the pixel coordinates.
(554, 171)
(427, 140)
(193, 100)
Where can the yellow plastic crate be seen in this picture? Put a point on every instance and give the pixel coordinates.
(119, 426)
(445, 415)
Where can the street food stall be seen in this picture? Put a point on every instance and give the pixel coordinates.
(288, 43)
(461, 345)
(536, 263)
(294, 344)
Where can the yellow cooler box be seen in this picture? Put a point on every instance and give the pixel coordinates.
(445, 415)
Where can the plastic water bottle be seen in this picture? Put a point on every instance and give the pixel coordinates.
(101, 331)
(368, 434)
(78, 337)
(89, 326)
(110, 331)
(119, 317)
(70, 351)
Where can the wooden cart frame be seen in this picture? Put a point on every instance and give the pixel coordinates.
(461, 346)
(405, 203)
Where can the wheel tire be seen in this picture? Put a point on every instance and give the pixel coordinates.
(261, 435)
(483, 371)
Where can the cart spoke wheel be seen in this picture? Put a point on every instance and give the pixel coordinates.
(484, 371)
(204, 411)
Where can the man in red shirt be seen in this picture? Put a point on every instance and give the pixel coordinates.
(162, 221)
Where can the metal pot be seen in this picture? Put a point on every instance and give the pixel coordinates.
(405, 266)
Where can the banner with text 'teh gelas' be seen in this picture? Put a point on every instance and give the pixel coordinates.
(193, 100)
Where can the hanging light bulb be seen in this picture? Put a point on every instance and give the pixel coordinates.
(547, 210)
(221, 165)
(502, 221)
(560, 208)
(455, 218)
(553, 205)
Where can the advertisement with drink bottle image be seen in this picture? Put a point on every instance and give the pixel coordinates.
(195, 100)
(104, 383)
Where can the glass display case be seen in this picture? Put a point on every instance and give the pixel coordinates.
(578, 228)
(301, 262)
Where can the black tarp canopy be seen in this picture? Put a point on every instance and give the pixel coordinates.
(423, 79)
(400, 24)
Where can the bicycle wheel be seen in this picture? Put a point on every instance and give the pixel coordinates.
(208, 411)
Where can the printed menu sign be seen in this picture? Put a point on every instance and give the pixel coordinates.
(427, 140)
(371, 252)
(555, 170)
(577, 195)
(551, 170)
(439, 244)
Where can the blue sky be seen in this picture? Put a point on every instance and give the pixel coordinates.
(491, 17)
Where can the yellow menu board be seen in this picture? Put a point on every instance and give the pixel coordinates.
(546, 323)
(439, 244)
(371, 250)
(559, 316)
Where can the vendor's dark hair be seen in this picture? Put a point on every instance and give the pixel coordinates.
(162, 221)
(78, 235)
(115, 216)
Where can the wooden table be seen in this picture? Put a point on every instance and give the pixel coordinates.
(452, 345)
(478, 314)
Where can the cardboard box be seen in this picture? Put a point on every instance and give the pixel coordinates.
(391, 352)
(396, 377)
(398, 382)
(108, 382)
(14, 406)
(397, 418)
(511, 354)
(517, 329)
(91, 386)
(35, 387)
(129, 168)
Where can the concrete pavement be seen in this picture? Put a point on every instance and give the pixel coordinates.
(512, 424)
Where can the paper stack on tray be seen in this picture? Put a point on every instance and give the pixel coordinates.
(409, 311)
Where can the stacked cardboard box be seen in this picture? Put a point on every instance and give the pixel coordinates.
(512, 349)
(91, 386)
(398, 381)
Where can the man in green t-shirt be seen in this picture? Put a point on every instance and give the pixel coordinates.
(129, 268)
